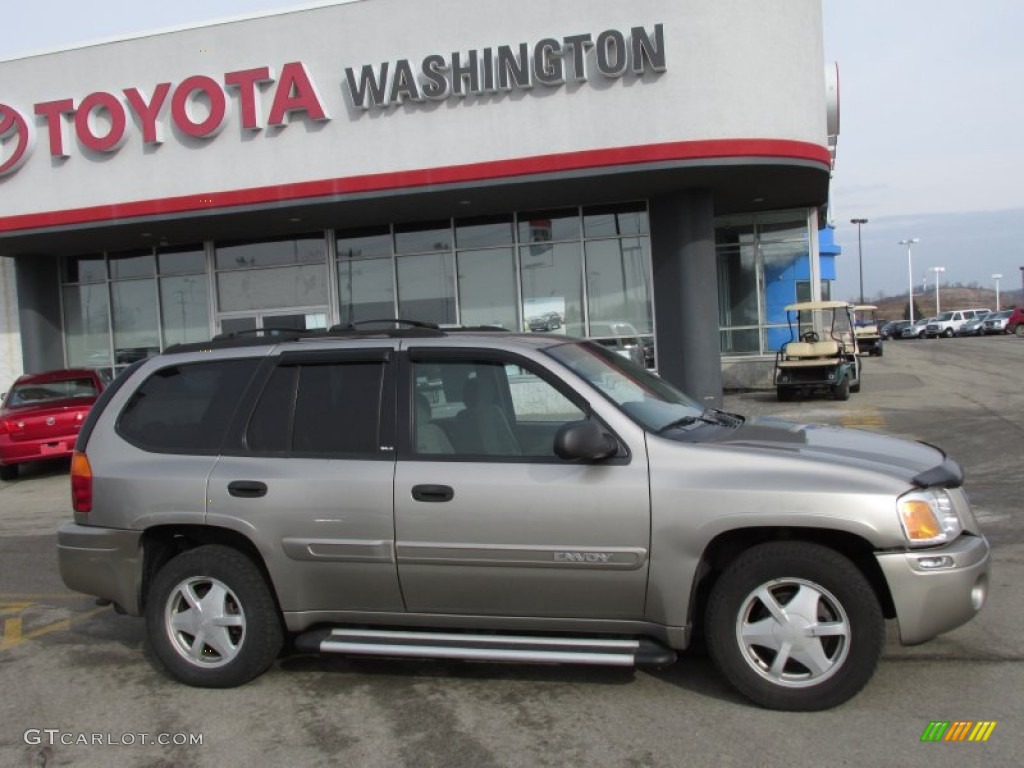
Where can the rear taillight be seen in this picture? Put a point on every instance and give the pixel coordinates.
(81, 483)
(5, 426)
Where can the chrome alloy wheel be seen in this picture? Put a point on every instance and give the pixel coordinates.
(793, 633)
(205, 621)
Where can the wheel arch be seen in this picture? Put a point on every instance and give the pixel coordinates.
(163, 542)
(727, 546)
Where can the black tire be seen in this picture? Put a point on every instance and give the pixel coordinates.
(798, 576)
(878, 350)
(785, 394)
(238, 593)
(8, 472)
(841, 391)
(948, 333)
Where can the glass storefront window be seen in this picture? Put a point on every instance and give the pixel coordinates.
(426, 288)
(618, 289)
(487, 287)
(552, 280)
(302, 286)
(366, 290)
(762, 260)
(185, 310)
(614, 220)
(549, 226)
(181, 261)
(423, 238)
(740, 341)
(366, 243)
(478, 233)
(135, 324)
(271, 253)
(737, 287)
(528, 271)
(84, 269)
(87, 325)
(125, 265)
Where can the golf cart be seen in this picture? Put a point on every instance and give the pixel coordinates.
(821, 353)
(866, 327)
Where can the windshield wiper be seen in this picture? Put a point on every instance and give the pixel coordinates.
(709, 416)
(724, 418)
(685, 421)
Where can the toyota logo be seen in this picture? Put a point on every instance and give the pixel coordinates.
(17, 137)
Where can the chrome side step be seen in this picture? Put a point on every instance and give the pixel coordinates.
(477, 647)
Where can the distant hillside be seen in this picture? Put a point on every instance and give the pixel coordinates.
(950, 297)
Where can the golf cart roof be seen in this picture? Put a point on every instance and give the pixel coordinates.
(810, 306)
(865, 308)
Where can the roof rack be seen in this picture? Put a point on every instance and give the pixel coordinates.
(396, 321)
(262, 336)
(291, 333)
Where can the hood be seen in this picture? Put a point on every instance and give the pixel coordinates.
(917, 463)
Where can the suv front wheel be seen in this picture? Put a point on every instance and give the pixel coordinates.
(211, 618)
(794, 626)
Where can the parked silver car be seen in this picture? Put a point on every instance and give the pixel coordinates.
(996, 322)
(503, 497)
(917, 329)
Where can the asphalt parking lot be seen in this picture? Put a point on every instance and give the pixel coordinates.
(78, 687)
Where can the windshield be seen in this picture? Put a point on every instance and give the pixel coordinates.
(35, 393)
(647, 399)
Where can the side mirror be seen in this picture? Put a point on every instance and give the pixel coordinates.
(584, 440)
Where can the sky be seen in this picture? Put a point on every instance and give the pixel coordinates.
(931, 142)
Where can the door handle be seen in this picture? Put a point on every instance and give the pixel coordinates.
(433, 492)
(247, 489)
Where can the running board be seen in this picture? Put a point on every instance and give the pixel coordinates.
(472, 647)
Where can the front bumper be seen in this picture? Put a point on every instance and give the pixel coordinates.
(930, 601)
(104, 562)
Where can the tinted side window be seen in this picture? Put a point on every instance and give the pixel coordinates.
(486, 408)
(320, 409)
(185, 408)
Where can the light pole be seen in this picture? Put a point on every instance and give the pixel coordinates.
(937, 271)
(997, 278)
(910, 274)
(860, 256)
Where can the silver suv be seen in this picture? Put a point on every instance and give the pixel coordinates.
(496, 496)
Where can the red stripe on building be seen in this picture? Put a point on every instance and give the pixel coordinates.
(719, 149)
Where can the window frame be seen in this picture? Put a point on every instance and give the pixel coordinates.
(301, 358)
(229, 423)
(406, 445)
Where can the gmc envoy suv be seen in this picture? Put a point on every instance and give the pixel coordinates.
(483, 495)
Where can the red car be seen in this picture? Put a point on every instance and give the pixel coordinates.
(41, 415)
(1015, 322)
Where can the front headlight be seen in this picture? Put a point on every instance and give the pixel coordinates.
(928, 518)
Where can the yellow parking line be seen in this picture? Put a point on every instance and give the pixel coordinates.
(7, 609)
(13, 635)
(865, 417)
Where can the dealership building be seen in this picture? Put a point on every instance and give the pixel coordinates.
(636, 172)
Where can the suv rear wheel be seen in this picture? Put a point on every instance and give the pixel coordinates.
(211, 618)
(794, 626)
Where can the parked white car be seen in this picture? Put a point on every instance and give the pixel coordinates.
(948, 323)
